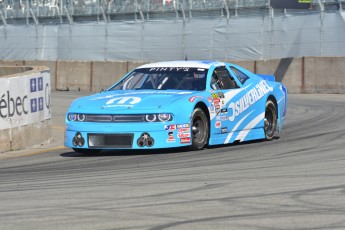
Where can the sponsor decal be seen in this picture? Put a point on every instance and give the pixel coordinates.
(178, 69)
(216, 100)
(212, 108)
(183, 126)
(185, 140)
(224, 118)
(210, 99)
(192, 99)
(224, 130)
(183, 135)
(183, 130)
(218, 124)
(221, 94)
(171, 137)
(252, 96)
(217, 103)
(214, 95)
(223, 111)
(169, 127)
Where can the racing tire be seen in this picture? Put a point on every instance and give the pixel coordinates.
(200, 130)
(87, 151)
(270, 120)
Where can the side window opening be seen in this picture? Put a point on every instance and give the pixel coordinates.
(240, 76)
(221, 79)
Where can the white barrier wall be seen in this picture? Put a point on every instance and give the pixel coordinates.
(25, 111)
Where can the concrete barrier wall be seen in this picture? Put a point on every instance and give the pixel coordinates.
(25, 136)
(25, 113)
(324, 75)
(52, 69)
(249, 65)
(6, 70)
(289, 71)
(11, 63)
(300, 75)
(73, 75)
(104, 74)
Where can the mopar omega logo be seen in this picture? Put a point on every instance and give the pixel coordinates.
(123, 101)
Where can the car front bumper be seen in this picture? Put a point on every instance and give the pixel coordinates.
(127, 135)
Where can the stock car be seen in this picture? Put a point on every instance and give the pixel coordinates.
(175, 104)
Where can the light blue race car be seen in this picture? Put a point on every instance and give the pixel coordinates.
(175, 104)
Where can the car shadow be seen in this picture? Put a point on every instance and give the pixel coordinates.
(245, 143)
(127, 152)
(136, 152)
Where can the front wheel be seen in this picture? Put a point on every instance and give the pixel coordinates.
(200, 129)
(270, 122)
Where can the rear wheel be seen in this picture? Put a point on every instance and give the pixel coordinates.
(200, 129)
(270, 120)
(87, 151)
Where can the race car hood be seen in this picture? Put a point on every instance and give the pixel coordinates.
(129, 99)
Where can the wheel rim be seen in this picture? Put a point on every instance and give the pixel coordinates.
(269, 120)
(198, 129)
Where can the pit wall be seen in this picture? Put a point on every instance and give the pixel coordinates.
(300, 75)
(25, 114)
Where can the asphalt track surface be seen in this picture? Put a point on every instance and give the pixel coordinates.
(296, 181)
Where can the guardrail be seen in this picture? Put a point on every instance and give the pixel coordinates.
(25, 113)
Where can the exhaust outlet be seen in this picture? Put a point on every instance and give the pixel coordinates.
(78, 140)
(145, 140)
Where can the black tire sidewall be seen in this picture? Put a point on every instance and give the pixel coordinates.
(195, 144)
(270, 104)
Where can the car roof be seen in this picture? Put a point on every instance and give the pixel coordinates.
(205, 64)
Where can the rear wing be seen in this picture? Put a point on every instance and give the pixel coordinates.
(267, 77)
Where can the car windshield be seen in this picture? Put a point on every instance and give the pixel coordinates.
(163, 78)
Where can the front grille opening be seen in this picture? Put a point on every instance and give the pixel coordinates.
(114, 118)
(110, 140)
(98, 118)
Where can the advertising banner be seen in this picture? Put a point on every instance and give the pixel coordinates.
(24, 100)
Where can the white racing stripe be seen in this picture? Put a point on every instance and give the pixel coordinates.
(235, 128)
(242, 135)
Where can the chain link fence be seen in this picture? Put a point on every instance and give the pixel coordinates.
(34, 10)
(243, 30)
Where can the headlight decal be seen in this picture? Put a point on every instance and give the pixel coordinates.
(117, 118)
(164, 117)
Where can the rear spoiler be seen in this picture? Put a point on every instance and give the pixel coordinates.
(267, 77)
